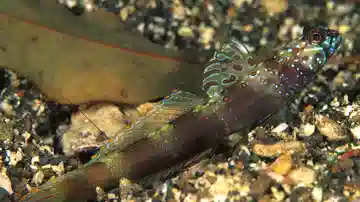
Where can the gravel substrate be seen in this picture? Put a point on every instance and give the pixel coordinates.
(313, 159)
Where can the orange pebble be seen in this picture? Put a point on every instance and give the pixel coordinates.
(308, 109)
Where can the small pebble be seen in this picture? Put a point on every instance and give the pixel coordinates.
(342, 165)
(280, 128)
(38, 178)
(307, 129)
(58, 169)
(330, 128)
(355, 131)
(15, 157)
(274, 6)
(260, 185)
(302, 175)
(282, 165)
(100, 193)
(220, 188)
(7, 108)
(273, 150)
(317, 194)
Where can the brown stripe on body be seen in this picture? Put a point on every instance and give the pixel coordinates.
(192, 134)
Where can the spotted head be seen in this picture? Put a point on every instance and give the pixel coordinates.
(300, 60)
(312, 50)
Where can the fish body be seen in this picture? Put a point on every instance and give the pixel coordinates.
(240, 94)
(90, 57)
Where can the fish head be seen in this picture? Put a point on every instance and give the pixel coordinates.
(312, 50)
(301, 59)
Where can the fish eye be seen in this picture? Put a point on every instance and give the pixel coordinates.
(316, 37)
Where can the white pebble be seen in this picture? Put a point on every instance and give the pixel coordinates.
(34, 162)
(210, 8)
(141, 27)
(35, 159)
(59, 169)
(7, 108)
(307, 129)
(250, 48)
(112, 196)
(280, 128)
(70, 3)
(100, 193)
(15, 157)
(296, 31)
(356, 132)
(263, 41)
(38, 178)
(317, 194)
(348, 109)
(330, 128)
(89, 6)
(185, 31)
(303, 175)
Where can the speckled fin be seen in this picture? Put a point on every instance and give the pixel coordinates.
(228, 66)
(164, 112)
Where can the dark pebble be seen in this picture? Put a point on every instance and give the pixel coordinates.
(260, 133)
(342, 165)
(26, 174)
(189, 188)
(198, 173)
(56, 161)
(357, 166)
(301, 194)
(15, 181)
(36, 137)
(44, 159)
(242, 157)
(48, 173)
(29, 150)
(19, 138)
(220, 171)
(260, 185)
(14, 172)
(17, 145)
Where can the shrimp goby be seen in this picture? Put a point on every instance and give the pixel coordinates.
(185, 128)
